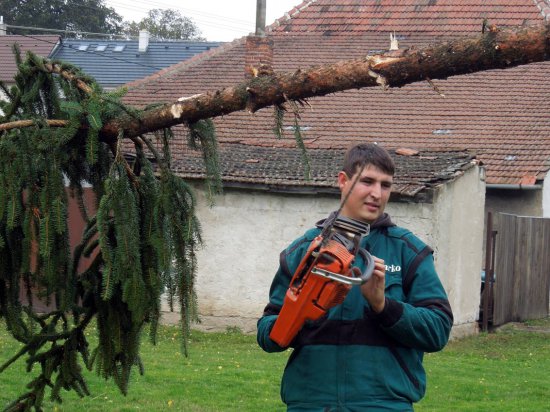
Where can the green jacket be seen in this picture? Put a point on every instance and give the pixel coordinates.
(353, 359)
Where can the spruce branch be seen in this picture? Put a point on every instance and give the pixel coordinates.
(53, 67)
(117, 152)
(159, 159)
(29, 123)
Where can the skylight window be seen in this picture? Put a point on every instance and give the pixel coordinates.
(442, 131)
(101, 47)
(302, 128)
(118, 48)
(83, 47)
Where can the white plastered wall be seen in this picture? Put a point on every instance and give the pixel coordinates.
(458, 228)
(243, 235)
(246, 230)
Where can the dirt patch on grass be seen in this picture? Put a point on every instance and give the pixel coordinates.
(539, 326)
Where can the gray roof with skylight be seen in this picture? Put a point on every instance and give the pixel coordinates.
(114, 63)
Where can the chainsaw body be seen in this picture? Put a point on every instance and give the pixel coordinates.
(323, 278)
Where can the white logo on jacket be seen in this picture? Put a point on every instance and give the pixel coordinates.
(393, 268)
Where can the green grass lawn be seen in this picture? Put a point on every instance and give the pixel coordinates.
(503, 371)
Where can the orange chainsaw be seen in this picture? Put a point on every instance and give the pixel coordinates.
(324, 276)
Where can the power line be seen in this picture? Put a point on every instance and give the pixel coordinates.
(64, 31)
(202, 19)
(146, 5)
(209, 20)
(205, 19)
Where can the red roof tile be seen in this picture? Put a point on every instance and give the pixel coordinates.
(41, 45)
(502, 115)
(430, 16)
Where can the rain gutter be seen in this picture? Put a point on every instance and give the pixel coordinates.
(513, 187)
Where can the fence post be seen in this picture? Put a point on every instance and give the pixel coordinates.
(489, 262)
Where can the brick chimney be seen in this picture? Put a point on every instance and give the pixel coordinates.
(259, 55)
(143, 43)
(259, 48)
(3, 27)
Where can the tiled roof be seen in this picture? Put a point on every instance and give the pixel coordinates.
(430, 16)
(116, 62)
(275, 169)
(41, 45)
(501, 115)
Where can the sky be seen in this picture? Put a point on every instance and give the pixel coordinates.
(218, 20)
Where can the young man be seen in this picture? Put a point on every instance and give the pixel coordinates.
(366, 353)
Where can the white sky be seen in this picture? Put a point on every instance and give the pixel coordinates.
(218, 20)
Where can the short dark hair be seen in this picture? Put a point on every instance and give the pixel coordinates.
(364, 154)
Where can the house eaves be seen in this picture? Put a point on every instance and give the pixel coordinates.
(283, 170)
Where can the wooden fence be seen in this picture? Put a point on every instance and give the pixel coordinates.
(521, 287)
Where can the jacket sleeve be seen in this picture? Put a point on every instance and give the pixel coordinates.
(288, 261)
(277, 293)
(425, 320)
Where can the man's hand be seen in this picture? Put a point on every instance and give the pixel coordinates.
(373, 289)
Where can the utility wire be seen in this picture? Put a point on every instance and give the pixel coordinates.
(215, 25)
(211, 20)
(148, 5)
(65, 31)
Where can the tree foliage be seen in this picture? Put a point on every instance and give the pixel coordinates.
(166, 24)
(72, 15)
(140, 243)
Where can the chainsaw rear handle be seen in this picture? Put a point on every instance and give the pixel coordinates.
(350, 280)
(369, 266)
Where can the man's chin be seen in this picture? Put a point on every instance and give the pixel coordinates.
(369, 217)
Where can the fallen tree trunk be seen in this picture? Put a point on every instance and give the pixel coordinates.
(491, 50)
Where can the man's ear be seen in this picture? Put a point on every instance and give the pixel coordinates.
(342, 179)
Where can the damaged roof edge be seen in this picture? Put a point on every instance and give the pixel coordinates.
(424, 195)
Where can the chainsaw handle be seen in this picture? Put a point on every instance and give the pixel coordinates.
(350, 278)
(369, 266)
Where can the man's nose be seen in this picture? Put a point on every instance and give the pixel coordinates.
(376, 191)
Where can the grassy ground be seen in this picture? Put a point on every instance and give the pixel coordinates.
(503, 371)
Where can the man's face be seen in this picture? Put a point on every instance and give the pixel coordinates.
(369, 196)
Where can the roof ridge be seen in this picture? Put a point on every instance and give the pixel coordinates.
(289, 14)
(175, 68)
(544, 7)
